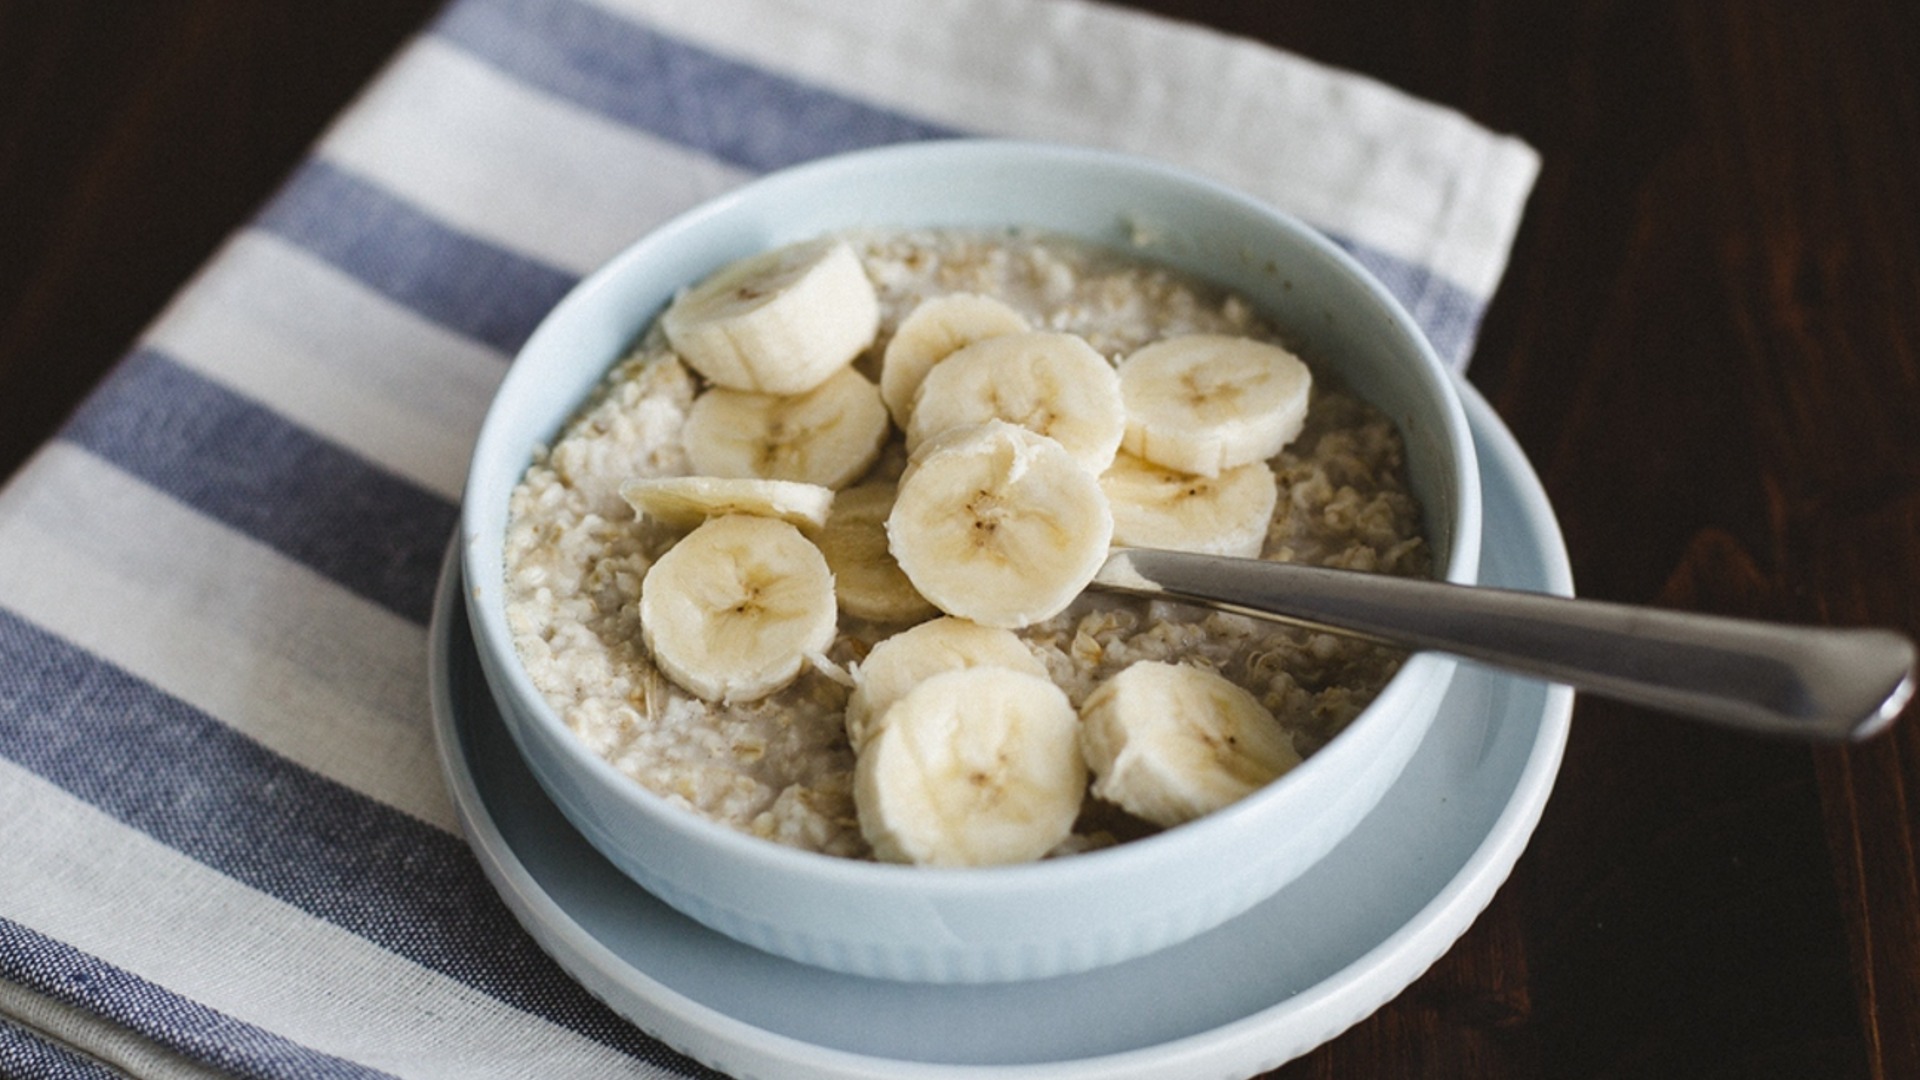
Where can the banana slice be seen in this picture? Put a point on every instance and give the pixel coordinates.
(1168, 742)
(935, 329)
(975, 767)
(1050, 383)
(779, 322)
(1226, 514)
(1207, 402)
(828, 435)
(866, 579)
(901, 662)
(999, 525)
(735, 609)
(682, 502)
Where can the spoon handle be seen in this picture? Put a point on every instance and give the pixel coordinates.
(1807, 681)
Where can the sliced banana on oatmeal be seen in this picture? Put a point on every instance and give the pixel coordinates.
(1050, 383)
(903, 661)
(736, 608)
(1203, 403)
(682, 502)
(997, 524)
(1171, 742)
(1158, 507)
(828, 435)
(935, 329)
(779, 322)
(868, 582)
(974, 767)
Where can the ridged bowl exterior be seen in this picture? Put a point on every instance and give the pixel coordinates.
(1002, 923)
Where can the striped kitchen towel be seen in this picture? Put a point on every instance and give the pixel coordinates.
(225, 843)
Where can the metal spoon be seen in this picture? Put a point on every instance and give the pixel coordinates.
(1811, 682)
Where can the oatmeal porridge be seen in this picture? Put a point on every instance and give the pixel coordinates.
(781, 764)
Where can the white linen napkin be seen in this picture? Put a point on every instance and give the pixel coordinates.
(225, 842)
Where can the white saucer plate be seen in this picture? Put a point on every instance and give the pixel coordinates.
(1323, 953)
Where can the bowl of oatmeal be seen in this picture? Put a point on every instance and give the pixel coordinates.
(776, 534)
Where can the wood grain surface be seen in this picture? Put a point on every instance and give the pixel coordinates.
(1708, 342)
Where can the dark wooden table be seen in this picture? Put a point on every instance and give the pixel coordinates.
(1708, 342)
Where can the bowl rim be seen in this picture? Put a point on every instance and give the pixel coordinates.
(1118, 861)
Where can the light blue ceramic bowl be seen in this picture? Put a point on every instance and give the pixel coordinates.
(1020, 922)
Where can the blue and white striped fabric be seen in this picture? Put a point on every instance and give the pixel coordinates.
(224, 841)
